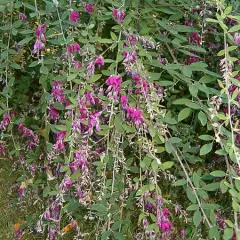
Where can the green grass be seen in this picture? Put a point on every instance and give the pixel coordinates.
(9, 212)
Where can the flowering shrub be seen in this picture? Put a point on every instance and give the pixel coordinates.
(123, 117)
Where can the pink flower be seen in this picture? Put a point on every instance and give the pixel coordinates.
(99, 61)
(89, 8)
(237, 38)
(118, 15)
(74, 16)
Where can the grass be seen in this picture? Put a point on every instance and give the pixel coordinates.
(9, 212)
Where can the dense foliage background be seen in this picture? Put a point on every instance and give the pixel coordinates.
(122, 118)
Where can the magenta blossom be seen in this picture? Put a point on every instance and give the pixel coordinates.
(74, 16)
(118, 15)
(135, 115)
(114, 82)
(124, 101)
(99, 61)
(89, 8)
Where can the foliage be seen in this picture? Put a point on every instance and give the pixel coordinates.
(123, 117)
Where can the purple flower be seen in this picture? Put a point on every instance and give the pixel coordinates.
(40, 33)
(90, 69)
(163, 221)
(130, 57)
(47, 214)
(76, 47)
(74, 16)
(77, 64)
(5, 122)
(53, 113)
(22, 16)
(162, 60)
(70, 48)
(99, 61)
(2, 150)
(118, 15)
(94, 122)
(73, 166)
(20, 192)
(81, 160)
(124, 101)
(58, 92)
(237, 38)
(38, 45)
(67, 183)
(89, 8)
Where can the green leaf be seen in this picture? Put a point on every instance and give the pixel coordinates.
(218, 173)
(202, 118)
(206, 148)
(214, 233)
(175, 140)
(72, 206)
(193, 90)
(211, 187)
(94, 78)
(234, 28)
(183, 114)
(15, 66)
(181, 101)
(180, 182)
(191, 195)
(24, 41)
(193, 207)
(206, 137)
(118, 235)
(166, 165)
(44, 70)
(105, 40)
(197, 217)
(228, 233)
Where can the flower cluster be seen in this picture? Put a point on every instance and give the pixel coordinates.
(114, 82)
(40, 38)
(118, 15)
(74, 16)
(5, 122)
(32, 138)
